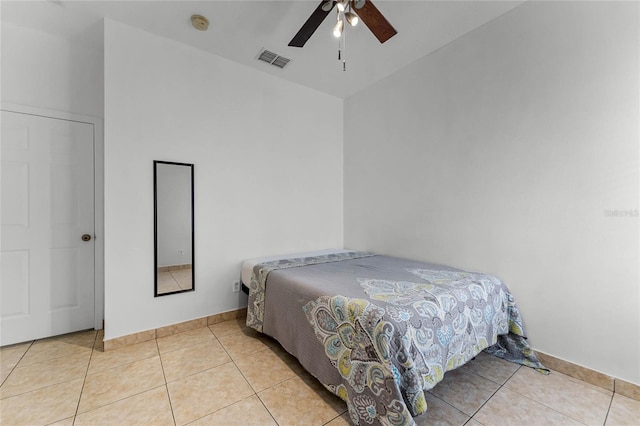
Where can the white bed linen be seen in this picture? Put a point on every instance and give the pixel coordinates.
(247, 266)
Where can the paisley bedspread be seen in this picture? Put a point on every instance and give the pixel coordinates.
(380, 331)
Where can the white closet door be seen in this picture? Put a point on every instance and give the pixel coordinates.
(47, 270)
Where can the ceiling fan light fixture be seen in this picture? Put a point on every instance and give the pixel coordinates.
(366, 11)
(337, 30)
(351, 18)
(327, 5)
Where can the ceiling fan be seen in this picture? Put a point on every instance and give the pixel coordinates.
(369, 14)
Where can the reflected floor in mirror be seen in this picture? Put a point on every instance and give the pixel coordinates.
(174, 280)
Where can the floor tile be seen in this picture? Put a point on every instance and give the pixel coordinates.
(342, 420)
(148, 408)
(508, 408)
(186, 338)
(42, 406)
(193, 359)
(245, 343)
(44, 374)
(201, 394)
(623, 411)
(64, 422)
(492, 368)
(229, 327)
(166, 283)
(59, 346)
(9, 357)
(107, 386)
(268, 368)
(117, 357)
(214, 372)
(568, 396)
(183, 278)
(249, 411)
(285, 401)
(440, 413)
(465, 390)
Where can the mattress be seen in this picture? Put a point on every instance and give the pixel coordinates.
(380, 331)
(247, 266)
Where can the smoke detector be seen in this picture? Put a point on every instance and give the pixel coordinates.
(199, 22)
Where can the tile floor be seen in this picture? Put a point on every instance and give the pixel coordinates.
(226, 374)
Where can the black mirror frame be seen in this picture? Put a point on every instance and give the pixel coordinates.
(155, 230)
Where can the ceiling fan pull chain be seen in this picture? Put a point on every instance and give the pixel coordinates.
(340, 41)
(344, 49)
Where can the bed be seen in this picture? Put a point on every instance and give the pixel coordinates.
(379, 331)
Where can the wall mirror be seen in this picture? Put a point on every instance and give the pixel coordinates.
(173, 223)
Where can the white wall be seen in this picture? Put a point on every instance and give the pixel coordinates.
(46, 71)
(502, 152)
(268, 171)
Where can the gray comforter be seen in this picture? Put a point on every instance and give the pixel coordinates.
(380, 331)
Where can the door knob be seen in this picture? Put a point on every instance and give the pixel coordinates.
(86, 237)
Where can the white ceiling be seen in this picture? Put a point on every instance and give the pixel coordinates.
(239, 29)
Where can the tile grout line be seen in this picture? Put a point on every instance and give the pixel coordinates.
(493, 394)
(234, 362)
(31, 345)
(613, 394)
(267, 408)
(84, 379)
(18, 362)
(120, 400)
(166, 385)
(338, 416)
(124, 364)
(545, 405)
(235, 365)
(197, 372)
(245, 378)
(129, 396)
(38, 389)
(475, 420)
(256, 393)
(445, 402)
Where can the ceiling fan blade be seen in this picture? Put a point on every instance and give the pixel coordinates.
(373, 19)
(312, 24)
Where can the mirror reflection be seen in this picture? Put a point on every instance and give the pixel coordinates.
(173, 187)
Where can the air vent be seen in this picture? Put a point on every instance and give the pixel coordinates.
(273, 58)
